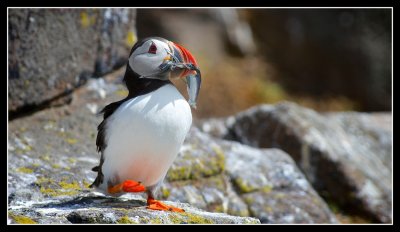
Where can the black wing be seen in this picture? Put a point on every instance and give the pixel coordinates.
(100, 140)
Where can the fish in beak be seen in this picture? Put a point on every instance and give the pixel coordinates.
(184, 62)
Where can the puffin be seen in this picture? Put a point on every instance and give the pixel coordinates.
(141, 135)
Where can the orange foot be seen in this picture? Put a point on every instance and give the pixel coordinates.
(127, 186)
(158, 205)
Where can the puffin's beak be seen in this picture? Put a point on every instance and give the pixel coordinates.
(191, 72)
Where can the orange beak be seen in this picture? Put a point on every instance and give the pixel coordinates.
(184, 56)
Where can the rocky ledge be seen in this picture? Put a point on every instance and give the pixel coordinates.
(96, 208)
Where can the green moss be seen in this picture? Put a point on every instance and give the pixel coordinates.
(71, 160)
(24, 170)
(243, 186)
(218, 182)
(165, 192)
(19, 219)
(125, 220)
(197, 219)
(45, 157)
(280, 196)
(86, 184)
(183, 218)
(156, 220)
(55, 166)
(266, 189)
(249, 200)
(178, 173)
(73, 185)
(268, 209)
(122, 92)
(43, 179)
(63, 188)
(240, 213)
(220, 157)
(49, 191)
(175, 218)
(219, 209)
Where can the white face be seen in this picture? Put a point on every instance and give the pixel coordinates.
(146, 59)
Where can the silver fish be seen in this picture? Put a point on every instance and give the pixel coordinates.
(193, 82)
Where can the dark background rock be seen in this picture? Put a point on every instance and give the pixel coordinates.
(346, 156)
(53, 51)
(329, 52)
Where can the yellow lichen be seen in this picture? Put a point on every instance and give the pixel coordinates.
(197, 219)
(24, 170)
(71, 160)
(244, 186)
(125, 220)
(56, 166)
(66, 185)
(249, 200)
(63, 188)
(86, 184)
(19, 219)
(45, 157)
(178, 173)
(220, 157)
(130, 39)
(71, 140)
(219, 209)
(87, 19)
(122, 92)
(156, 220)
(84, 19)
(266, 189)
(165, 192)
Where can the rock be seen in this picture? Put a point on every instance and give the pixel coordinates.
(51, 154)
(53, 51)
(90, 208)
(345, 156)
(229, 177)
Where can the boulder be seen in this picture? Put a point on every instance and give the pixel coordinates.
(53, 51)
(346, 156)
(51, 154)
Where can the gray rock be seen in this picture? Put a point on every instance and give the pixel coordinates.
(90, 208)
(53, 51)
(228, 177)
(51, 154)
(346, 156)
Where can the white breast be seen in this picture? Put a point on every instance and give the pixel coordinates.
(144, 136)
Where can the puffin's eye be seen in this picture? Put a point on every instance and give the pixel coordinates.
(153, 48)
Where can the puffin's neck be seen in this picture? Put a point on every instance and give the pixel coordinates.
(140, 86)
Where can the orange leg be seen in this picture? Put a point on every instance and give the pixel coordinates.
(158, 205)
(127, 186)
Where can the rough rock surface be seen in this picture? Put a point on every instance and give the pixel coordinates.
(52, 51)
(91, 208)
(346, 156)
(51, 154)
